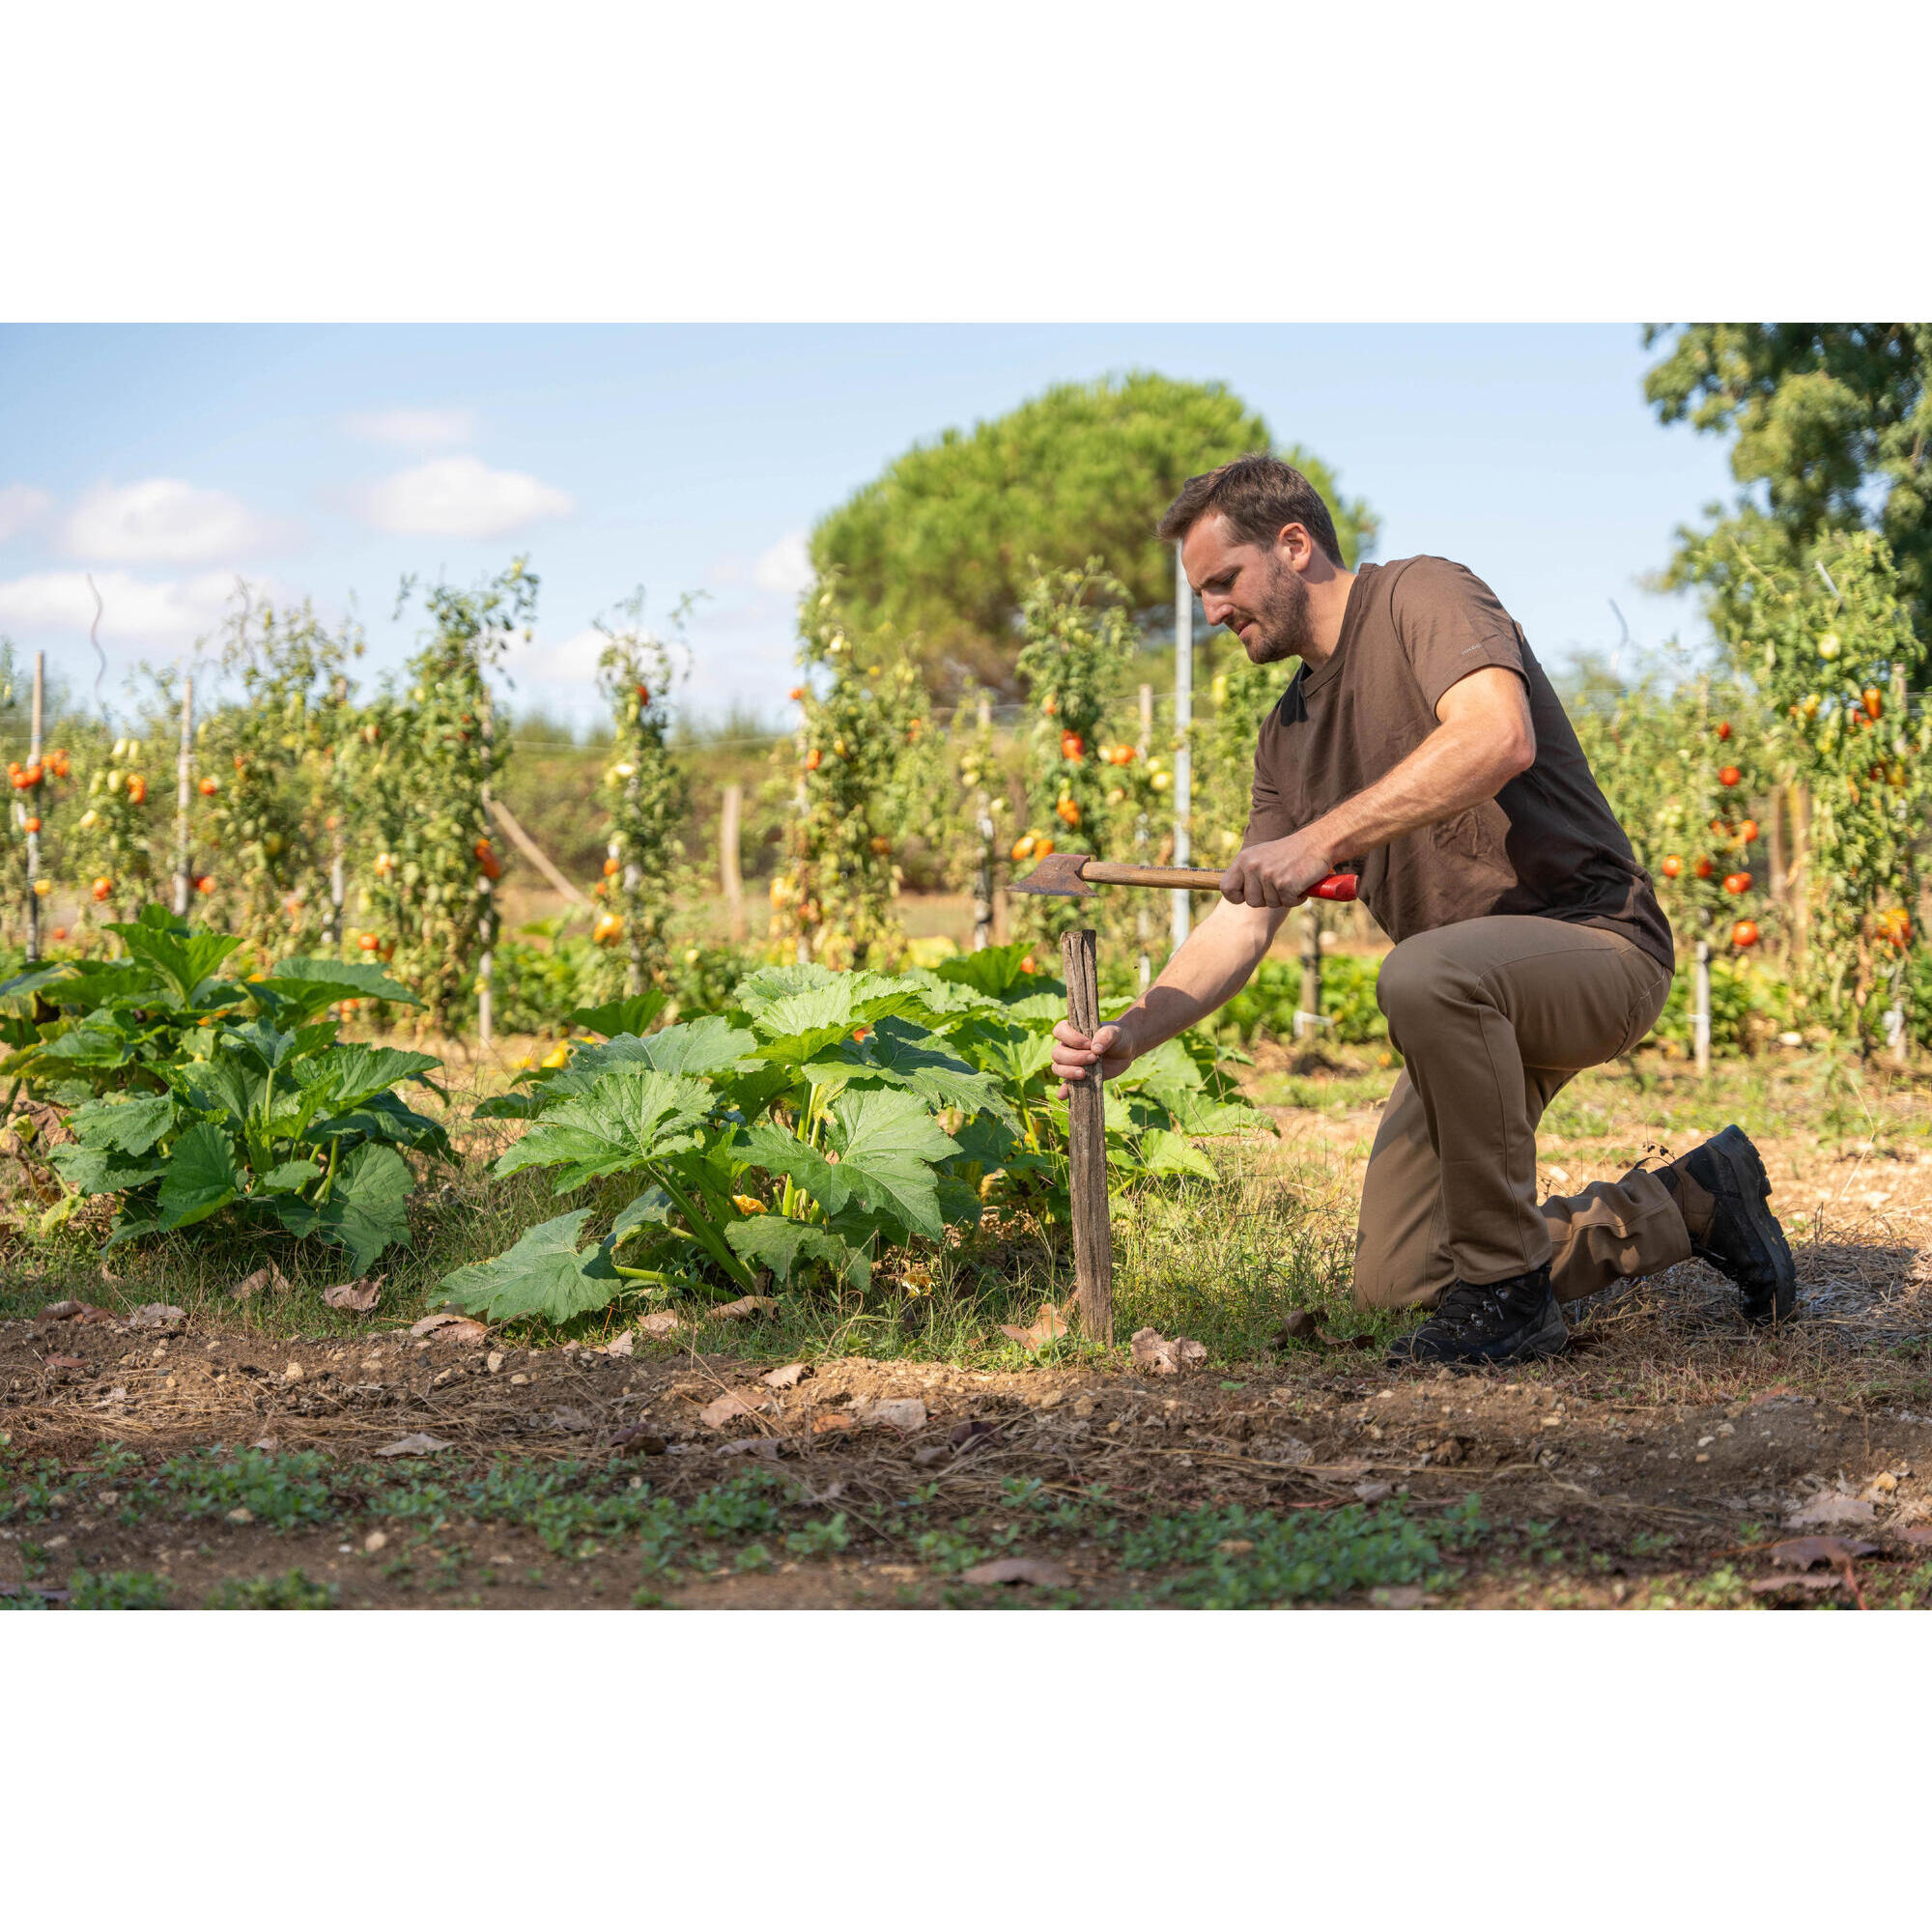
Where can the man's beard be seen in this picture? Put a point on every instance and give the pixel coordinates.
(1284, 622)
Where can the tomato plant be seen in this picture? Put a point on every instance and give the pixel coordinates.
(649, 794)
(418, 767)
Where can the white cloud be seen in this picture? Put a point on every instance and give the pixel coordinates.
(164, 520)
(137, 615)
(414, 429)
(21, 506)
(459, 497)
(785, 569)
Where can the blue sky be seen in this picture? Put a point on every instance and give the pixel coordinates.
(328, 461)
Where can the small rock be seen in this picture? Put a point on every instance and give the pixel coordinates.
(926, 1458)
(1234, 1545)
(494, 1361)
(242, 1516)
(375, 1540)
(625, 1344)
(907, 1413)
(61, 1310)
(158, 1315)
(1374, 1493)
(1040, 1571)
(1083, 1406)
(1832, 1510)
(292, 1373)
(269, 1445)
(1161, 1355)
(518, 1381)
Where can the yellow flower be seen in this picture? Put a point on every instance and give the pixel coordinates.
(749, 1203)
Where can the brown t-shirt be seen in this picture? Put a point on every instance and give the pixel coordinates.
(1547, 843)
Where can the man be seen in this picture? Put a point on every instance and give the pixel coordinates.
(1421, 743)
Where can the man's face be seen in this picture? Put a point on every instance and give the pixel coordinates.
(1249, 587)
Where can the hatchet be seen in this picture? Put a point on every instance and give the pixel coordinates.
(1075, 874)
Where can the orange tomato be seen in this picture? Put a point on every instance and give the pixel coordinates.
(1748, 831)
(33, 824)
(209, 786)
(1729, 777)
(1745, 932)
(1725, 730)
(1704, 869)
(814, 758)
(1672, 866)
(1874, 700)
(102, 886)
(1023, 847)
(612, 867)
(1736, 882)
(368, 942)
(1072, 747)
(1067, 811)
(204, 884)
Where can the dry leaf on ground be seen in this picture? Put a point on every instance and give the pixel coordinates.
(745, 1308)
(664, 1323)
(1802, 1553)
(269, 1445)
(1919, 1533)
(1048, 1325)
(447, 1326)
(1154, 1352)
(788, 1377)
(625, 1344)
(907, 1412)
(640, 1438)
(1831, 1510)
(270, 1280)
(67, 1361)
(1303, 1325)
(831, 1424)
(418, 1444)
(61, 1310)
(358, 1298)
(1810, 1579)
(1040, 1570)
(160, 1314)
(572, 1422)
(728, 1408)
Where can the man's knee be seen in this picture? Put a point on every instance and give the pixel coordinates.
(1417, 980)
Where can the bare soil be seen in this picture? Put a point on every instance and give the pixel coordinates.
(1647, 1467)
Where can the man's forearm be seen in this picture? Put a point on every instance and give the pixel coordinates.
(1212, 966)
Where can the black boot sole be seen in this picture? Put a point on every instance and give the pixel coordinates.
(1733, 1152)
(1549, 1335)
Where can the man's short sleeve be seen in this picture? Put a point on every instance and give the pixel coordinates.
(1450, 623)
(1270, 815)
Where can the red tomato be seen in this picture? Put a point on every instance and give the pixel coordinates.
(1745, 932)
(1736, 882)
(1672, 866)
(1729, 775)
(1725, 730)
(1748, 831)
(1874, 700)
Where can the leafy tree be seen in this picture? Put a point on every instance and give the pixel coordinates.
(1833, 428)
(939, 544)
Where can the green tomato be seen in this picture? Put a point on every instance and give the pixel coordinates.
(1828, 645)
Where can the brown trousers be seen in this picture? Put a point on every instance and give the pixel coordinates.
(1493, 1017)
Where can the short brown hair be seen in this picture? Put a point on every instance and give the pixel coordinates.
(1257, 495)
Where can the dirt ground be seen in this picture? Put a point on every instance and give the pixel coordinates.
(1596, 1488)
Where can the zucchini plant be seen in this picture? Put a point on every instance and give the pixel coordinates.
(820, 1121)
(191, 1095)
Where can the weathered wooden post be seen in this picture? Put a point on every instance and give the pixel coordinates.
(486, 966)
(1701, 1011)
(1087, 1146)
(729, 873)
(982, 823)
(184, 769)
(34, 837)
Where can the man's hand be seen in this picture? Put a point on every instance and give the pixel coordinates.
(1278, 873)
(1074, 1053)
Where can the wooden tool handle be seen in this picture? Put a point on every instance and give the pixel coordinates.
(1196, 879)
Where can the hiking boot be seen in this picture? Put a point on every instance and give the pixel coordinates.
(1488, 1321)
(1720, 1190)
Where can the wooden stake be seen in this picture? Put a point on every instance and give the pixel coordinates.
(34, 837)
(1087, 1148)
(1700, 1012)
(184, 769)
(982, 823)
(727, 858)
(486, 966)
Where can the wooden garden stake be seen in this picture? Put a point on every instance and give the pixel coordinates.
(1087, 1148)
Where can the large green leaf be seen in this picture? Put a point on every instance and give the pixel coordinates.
(802, 1026)
(351, 1074)
(367, 1208)
(994, 970)
(228, 1084)
(93, 1170)
(887, 1144)
(899, 1052)
(129, 1127)
(629, 1118)
(181, 958)
(1164, 1152)
(765, 1146)
(383, 1117)
(619, 1016)
(770, 1240)
(202, 1177)
(1013, 1054)
(541, 1275)
(706, 1046)
(308, 985)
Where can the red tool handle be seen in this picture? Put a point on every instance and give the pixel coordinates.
(1336, 885)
